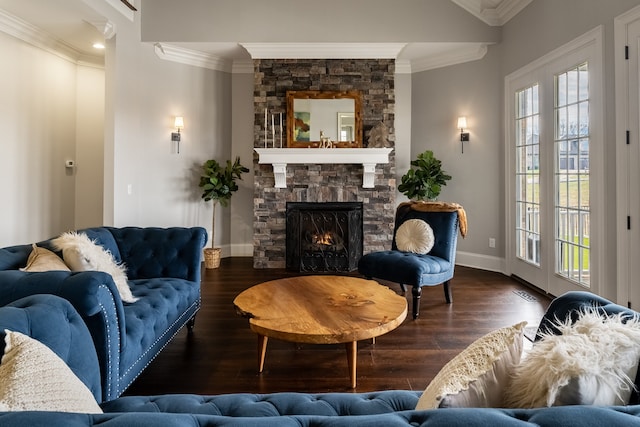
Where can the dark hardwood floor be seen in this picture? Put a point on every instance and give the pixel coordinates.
(220, 356)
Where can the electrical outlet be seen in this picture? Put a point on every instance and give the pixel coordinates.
(492, 242)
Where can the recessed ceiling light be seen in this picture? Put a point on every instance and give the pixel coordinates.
(98, 46)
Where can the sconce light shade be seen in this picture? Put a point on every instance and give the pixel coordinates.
(462, 122)
(464, 136)
(175, 136)
(179, 123)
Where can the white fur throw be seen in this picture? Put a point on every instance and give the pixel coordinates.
(590, 362)
(82, 254)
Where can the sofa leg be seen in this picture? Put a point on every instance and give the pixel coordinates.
(447, 292)
(417, 293)
(403, 288)
(190, 324)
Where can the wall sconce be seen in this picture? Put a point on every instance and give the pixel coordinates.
(464, 136)
(175, 136)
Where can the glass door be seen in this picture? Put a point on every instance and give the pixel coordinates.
(552, 146)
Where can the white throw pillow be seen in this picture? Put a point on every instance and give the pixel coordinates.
(415, 235)
(478, 375)
(82, 254)
(590, 362)
(34, 378)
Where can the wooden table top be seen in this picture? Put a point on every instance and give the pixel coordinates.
(321, 309)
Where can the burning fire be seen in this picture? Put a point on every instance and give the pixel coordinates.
(324, 239)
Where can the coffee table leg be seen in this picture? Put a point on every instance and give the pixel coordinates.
(352, 353)
(262, 350)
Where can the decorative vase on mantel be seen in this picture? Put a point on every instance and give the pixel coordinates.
(218, 184)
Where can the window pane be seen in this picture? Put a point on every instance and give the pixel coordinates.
(527, 177)
(572, 209)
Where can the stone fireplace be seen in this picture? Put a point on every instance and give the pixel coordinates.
(323, 183)
(323, 237)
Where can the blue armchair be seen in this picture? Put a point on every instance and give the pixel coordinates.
(417, 270)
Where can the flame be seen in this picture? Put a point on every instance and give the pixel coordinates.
(323, 239)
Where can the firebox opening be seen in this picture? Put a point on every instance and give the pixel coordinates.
(323, 237)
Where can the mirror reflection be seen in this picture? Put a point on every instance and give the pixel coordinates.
(323, 118)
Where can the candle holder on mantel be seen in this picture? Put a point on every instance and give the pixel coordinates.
(274, 133)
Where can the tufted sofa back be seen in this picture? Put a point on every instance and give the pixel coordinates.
(154, 252)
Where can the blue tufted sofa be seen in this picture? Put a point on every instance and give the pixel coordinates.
(163, 268)
(54, 322)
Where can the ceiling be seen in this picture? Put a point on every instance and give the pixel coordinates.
(74, 27)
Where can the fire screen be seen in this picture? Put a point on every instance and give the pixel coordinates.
(323, 237)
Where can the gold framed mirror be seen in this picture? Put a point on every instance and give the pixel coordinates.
(320, 118)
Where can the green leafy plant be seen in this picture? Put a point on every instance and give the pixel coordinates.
(219, 183)
(425, 179)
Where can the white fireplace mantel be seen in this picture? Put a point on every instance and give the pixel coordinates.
(280, 157)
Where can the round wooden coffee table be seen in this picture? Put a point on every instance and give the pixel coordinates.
(321, 310)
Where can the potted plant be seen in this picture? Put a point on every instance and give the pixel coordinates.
(424, 180)
(218, 184)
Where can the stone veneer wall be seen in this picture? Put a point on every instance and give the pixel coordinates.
(374, 78)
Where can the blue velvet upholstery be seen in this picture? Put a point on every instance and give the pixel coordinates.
(54, 322)
(416, 270)
(163, 267)
(45, 316)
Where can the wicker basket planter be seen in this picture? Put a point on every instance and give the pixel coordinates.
(212, 257)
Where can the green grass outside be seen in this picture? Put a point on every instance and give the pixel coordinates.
(578, 192)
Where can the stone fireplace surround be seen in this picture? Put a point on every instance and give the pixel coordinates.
(374, 79)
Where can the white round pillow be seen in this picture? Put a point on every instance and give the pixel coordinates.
(415, 235)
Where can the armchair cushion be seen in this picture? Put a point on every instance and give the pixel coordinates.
(406, 267)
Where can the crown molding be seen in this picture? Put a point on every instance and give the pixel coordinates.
(106, 28)
(497, 16)
(323, 50)
(28, 33)
(458, 56)
(193, 57)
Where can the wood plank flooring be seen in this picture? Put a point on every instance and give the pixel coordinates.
(221, 355)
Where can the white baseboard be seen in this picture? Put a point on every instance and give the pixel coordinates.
(482, 262)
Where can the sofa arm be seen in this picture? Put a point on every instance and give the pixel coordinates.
(94, 296)
(161, 252)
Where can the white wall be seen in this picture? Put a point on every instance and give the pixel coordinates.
(116, 124)
(403, 120)
(439, 97)
(241, 209)
(147, 182)
(89, 164)
(38, 118)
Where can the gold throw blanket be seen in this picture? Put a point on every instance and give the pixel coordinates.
(424, 206)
